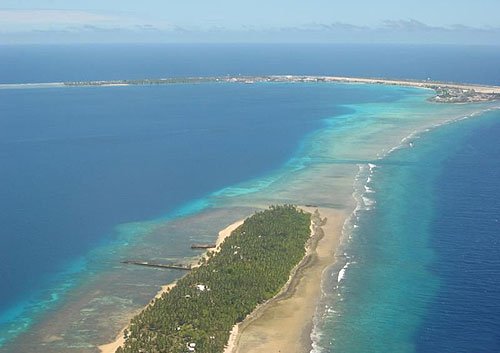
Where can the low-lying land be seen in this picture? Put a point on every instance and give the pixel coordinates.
(446, 92)
(296, 306)
(252, 266)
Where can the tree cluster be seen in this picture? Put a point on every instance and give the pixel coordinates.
(251, 267)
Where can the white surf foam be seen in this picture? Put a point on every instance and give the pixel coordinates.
(341, 274)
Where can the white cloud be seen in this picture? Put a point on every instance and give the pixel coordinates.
(40, 19)
(39, 26)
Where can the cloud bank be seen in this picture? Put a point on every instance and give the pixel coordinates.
(65, 26)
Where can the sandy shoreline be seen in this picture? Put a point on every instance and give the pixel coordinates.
(287, 290)
(295, 307)
(480, 88)
(119, 340)
(415, 83)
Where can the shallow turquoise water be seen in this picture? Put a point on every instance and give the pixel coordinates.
(413, 281)
(111, 173)
(312, 154)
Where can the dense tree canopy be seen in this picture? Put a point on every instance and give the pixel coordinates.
(252, 266)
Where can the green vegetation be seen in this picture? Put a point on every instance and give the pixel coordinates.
(252, 266)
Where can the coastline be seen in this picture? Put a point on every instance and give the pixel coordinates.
(415, 83)
(290, 78)
(111, 347)
(302, 290)
(278, 324)
(295, 306)
(446, 92)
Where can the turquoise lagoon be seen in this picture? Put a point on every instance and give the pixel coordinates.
(161, 167)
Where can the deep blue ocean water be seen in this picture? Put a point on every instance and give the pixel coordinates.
(464, 316)
(77, 162)
(423, 271)
(50, 63)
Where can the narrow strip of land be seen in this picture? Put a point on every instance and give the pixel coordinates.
(446, 92)
(284, 323)
(251, 267)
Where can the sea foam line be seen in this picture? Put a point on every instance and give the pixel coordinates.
(361, 187)
(363, 204)
(408, 141)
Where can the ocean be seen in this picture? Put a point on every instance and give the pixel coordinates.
(55, 63)
(423, 259)
(92, 176)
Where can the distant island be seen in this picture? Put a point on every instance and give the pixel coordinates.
(446, 92)
(251, 266)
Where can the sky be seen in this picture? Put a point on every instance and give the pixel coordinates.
(338, 21)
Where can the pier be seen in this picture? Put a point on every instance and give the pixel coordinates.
(158, 265)
(203, 246)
